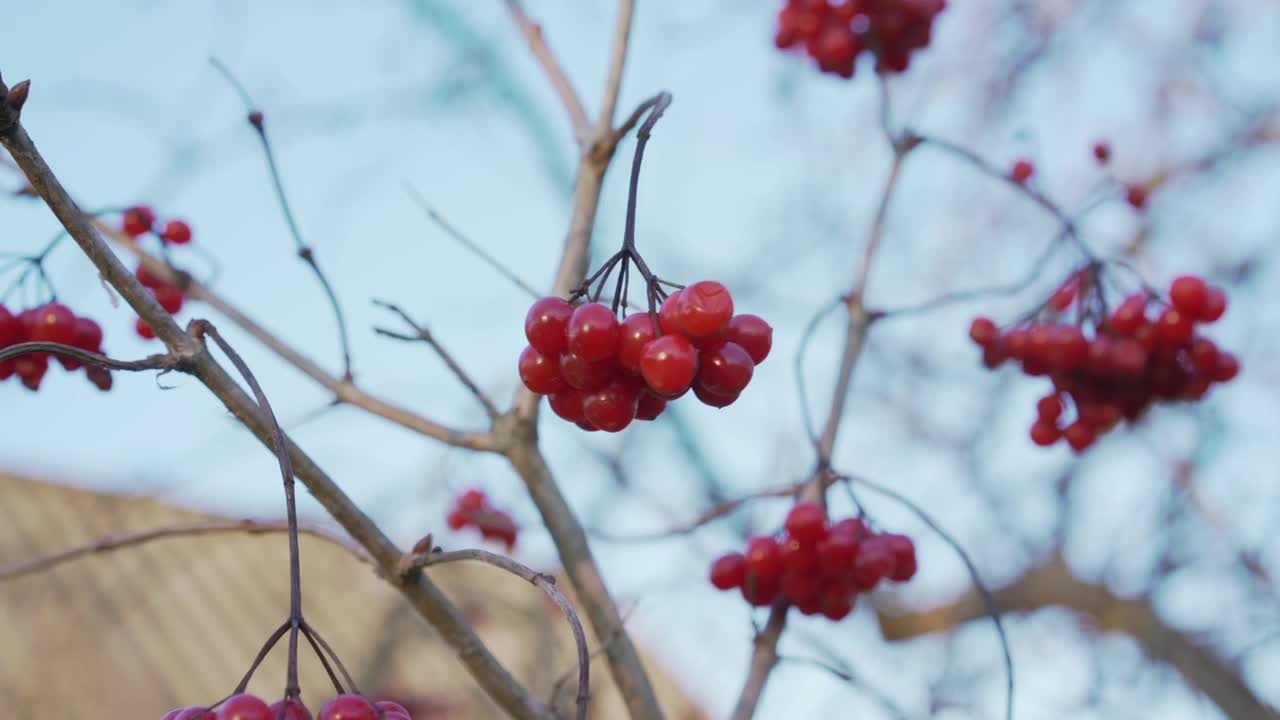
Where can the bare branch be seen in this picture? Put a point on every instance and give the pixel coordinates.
(554, 72)
(617, 61)
(164, 362)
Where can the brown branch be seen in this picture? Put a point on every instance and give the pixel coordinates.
(412, 563)
(422, 334)
(555, 73)
(617, 62)
(425, 596)
(120, 541)
(1052, 584)
(763, 659)
(151, 362)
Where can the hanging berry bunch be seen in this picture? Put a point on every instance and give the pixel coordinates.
(602, 373)
(52, 322)
(835, 32)
(136, 222)
(249, 707)
(472, 509)
(1111, 366)
(817, 567)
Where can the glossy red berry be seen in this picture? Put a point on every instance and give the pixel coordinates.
(176, 232)
(1021, 171)
(568, 404)
(637, 331)
(1189, 294)
(1079, 436)
(753, 334)
(170, 298)
(1228, 368)
(705, 308)
(11, 330)
(729, 571)
(293, 710)
(764, 557)
(760, 591)
(725, 371)
(613, 408)
(837, 604)
(31, 369)
(456, 519)
(593, 332)
(800, 586)
(585, 375)
(1044, 433)
(904, 557)
(54, 323)
(1128, 315)
(1049, 408)
(669, 315)
(546, 326)
(348, 707)
(669, 364)
(1174, 326)
(88, 335)
(144, 330)
(391, 706)
(244, 707)
(650, 406)
(836, 553)
(1215, 304)
(147, 278)
(983, 331)
(472, 500)
(806, 522)
(541, 373)
(138, 220)
(873, 563)
(706, 397)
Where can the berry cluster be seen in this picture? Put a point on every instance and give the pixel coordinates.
(250, 707)
(602, 374)
(472, 508)
(834, 32)
(55, 323)
(818, 568)
(1128, 360)
(141, 219)
(170, 297)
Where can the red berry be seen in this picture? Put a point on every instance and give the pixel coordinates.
(806, 522)
(593, 332)
(636, 332)
(1174, 326)
(176, 232)
(196, 713)
(904, 557)
(705, 307)
(1189, 294)
(586, 425)
(31, 369)
(760, 591)
(873, 563)
(148, 278)
(764, 557)
(54, 323)
(456, 519)
(138, 220)
(729, 571)
(1021, 171)
(983, 331)
(753, 334)
(172, 714)
(1203, 354)
(584, 375)
(1101, 151)
(1136, 196)
(836, 553)
(293, 710)
(650, 406)
(837, 603)
(1080, 436)
(613, 408)
(11, 330)
(144, 330)
(1215, 304)
(669, 363)
(472, 500)
(540, 373)
(1044, 433)
(800, 586)
(853, 528)
(1127, 357)
(348, 707)
(713, 399)
(391, 706)
(568, 404)
(798, 555)
(1228, 368)
(244, 707)
(725, 371)
(669, 314)
(1049, 408)
(546, 326)
(88, 335)
(170, 298)
(1068, 349)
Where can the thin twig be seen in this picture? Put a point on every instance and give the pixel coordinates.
(164, 362)
(424, 335)
(418, 561)
(555, 73)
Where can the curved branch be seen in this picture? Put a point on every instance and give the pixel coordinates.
(151, 362)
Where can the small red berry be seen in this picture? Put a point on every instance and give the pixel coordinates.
(540, 373)
(170, 298)
(1131, 313)
(836, 553)
(806, 522)
(1044, 433)
(725, 371)
(1022, 171)
(546, 325)
(391, 706)
(456, 520)
(593, 332)
(983, 331)
(760, 591)
(613, 408)
(1080, 436)
(176, 232)
(1174, 326)
(636, 332)
(706, 397)
(11, 331)
(1049, 408)
(31, 369)
(669, 314)
(348, 707)
(650, 406)
(1136, 196)
(568, 404)
(1189, 294)
(293, 710)
(904, 557)
(837, 603)
(729, 571)
(147, 278)
(753, 334)
(244, 707)
(1228, 368)
(584, 375)
(669, 363)
(1102, 152)
(705, 307)
(800, 586)
(473, 500)
(144, 330)
(764, 557)
(54, 323)
(138, 220)
(873, 563)
(1215, 304)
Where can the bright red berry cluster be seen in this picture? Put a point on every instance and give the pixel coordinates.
(141, 219)
(250, 707)
(817, 567)
(1127, 361)
(602, 374)
(472, 508)
(55, 323)
(170, 297)
(834, 32)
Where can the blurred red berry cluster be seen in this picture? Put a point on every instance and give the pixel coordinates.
(54, 323)
(834, 32)
(251, 707)
(818, 567)
(472, 509)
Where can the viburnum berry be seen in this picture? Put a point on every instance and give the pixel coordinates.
(144, 330)
(138, 220)
(751, 333)
(725, 371)
(1022, 171)
(541, 373)
(348, 707)
(31, 369)
(293, 709)
(472, 508)
(194, 713)
(764, 557)
(546, 326)
(147, 278)
(613, 408)
(705, 308)
(670, 313)
(585, 375)
(834, 32)
(53, 323)
(1102, 152)
(392, 710)
(712, 399)
(903, 551)
(729, 571)
(244, 707)
(637, 331)
(668, 364)
(1136, 196)
(170, 298)
(176, 232)
(593, 332)
(568, 405)
(806, 522)
(650, 406)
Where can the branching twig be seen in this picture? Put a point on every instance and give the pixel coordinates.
(554, 72)
(421, 334)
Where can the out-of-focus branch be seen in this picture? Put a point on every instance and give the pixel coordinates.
(554, 72)
(1052, 584)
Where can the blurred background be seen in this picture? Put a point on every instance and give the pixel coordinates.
(1141, 576)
